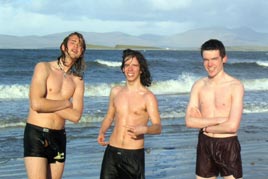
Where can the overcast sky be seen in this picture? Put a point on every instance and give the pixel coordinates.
(135, 17)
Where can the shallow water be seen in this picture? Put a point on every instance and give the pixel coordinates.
(170, 155)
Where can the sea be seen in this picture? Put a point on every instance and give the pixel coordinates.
(170, 155)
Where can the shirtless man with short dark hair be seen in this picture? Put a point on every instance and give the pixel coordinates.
(215, 107)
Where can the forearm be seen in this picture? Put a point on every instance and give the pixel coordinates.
(154, 129)
(199, 123)
(227, 127)
(105, 126)
(43, 105)
(70, 114)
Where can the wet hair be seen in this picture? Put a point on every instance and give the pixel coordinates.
(145, 77)
(213, 44)
(79, 66)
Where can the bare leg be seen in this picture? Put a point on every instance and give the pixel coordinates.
(36, 167)
(198, 177)
(55, 170)
(230, 177)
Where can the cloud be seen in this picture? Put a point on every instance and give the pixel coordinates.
(165, 17)
(167, 5)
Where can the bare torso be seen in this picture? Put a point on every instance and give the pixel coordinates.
(58, 87)
(130, 110)
(215, 100)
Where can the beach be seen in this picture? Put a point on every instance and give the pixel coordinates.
(170, 155)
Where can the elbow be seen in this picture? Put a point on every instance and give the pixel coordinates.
(159, 129)
(76, 119)
(233, 129)
(188, 124)
(76, 116)
(155, 129)
(36, 106)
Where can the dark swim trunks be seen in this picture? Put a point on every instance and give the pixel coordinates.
(46, 143)
(218, 156)
(122, 164)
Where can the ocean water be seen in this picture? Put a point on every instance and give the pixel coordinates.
(173, 74)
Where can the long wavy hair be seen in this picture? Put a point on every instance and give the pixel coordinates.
(145, 77)
(79, 66)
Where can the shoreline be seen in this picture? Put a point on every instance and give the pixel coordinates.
(171, 158)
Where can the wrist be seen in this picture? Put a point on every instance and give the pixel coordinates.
(205, 129)
(145, 130)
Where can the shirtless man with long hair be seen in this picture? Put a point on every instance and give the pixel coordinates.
(130, 108)
(56, 95)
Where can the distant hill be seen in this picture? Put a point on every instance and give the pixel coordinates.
(236, 39)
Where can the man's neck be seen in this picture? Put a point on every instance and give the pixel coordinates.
(218, 78)
(134, 86)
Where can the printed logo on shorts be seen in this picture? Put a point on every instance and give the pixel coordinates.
(59, 156)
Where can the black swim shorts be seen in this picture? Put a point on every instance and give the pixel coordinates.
(218, 156)
(46, 143)
(122, 164)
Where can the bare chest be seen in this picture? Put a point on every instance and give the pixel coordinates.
(215, 100)
(58, 84)
(130, 105)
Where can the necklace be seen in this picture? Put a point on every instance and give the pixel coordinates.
(61, 68)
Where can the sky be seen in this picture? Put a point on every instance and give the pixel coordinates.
(134, 17)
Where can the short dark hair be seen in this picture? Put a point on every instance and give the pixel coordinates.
(79, 66)
(213, 44)
(146, 79)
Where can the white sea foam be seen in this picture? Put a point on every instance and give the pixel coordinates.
(108, 63)
(14, 91)
(258, 62)
(256, 84)
(262, 63)
(181, 85)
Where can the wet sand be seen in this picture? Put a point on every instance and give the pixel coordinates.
(170, 155)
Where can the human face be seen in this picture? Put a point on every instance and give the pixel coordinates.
(213, 62)
(132, 69)
(74, 47)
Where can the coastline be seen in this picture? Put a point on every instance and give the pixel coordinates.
(136, 47)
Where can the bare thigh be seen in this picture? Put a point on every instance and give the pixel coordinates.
(230, 177)
(36, 167)
(55, 170)
(198, 177)
(226, 177)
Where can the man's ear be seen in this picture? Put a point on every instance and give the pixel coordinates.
(225, 59)
(62, 47)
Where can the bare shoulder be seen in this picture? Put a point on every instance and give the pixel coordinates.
(78, 79)
(42, 69)
(235, 83)
(42, 66)
(200, 82)
(149, 95)
(115, 90)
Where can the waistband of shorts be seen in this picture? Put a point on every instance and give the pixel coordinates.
(218, 138)
(116, 149)
(42, 129)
